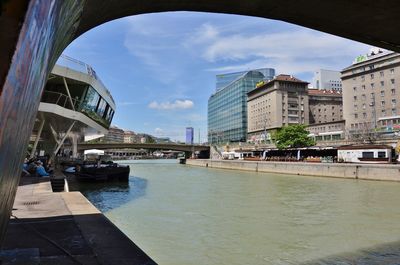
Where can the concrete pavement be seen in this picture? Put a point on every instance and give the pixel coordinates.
(63, 228)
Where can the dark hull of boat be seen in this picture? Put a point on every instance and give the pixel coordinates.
(108, 173)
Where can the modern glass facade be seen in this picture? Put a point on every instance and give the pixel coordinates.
(227, 109)
(224, 80)
(85, 99)
(96, 108)
(189, 135)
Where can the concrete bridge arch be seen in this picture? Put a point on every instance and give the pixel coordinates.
(35, 32)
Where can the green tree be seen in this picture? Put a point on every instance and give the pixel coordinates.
(293, 136)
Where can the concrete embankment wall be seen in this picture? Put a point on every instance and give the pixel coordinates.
(353, 171)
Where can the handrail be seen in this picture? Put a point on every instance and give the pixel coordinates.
(74, 64)
(60, 99)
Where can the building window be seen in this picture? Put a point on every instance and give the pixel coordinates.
(394, 112)
(381, 154)
(364, 115)
(392, 81)
(354, 89)
(393, 102)
(381, 73)
(355, 107)
(363, 87)
(383, 113)
(367, 154)
(355, 115)
(372, 85)
(364, 106)
(382, 93)
(393, 91)
(382, 103)
(355, 98)
(363, 78)
(392, 71)
(372, 76)
(382, 83)
(363, 97)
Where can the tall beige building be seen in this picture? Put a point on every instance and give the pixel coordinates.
(114, 135)
(371, 95)
(325, 106)
(129, 137)
(274, 104)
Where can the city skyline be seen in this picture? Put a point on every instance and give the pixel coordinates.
(161, 68)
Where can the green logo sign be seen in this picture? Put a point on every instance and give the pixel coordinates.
(360, 58)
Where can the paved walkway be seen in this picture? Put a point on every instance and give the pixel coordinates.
(63, 228)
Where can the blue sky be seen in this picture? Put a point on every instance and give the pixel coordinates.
(161, 67)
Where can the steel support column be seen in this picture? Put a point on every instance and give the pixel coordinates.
(37, 138)
(61, 142)
(69, 94)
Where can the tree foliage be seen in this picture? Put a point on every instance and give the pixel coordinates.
(293, 136)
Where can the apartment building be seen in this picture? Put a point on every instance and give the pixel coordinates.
(325, 105)
(371, 95)
(274, 104)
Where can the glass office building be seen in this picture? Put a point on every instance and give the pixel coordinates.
(189, 135)
(227, 107)
(223, 80)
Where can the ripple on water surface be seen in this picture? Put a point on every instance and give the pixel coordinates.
(191, 215)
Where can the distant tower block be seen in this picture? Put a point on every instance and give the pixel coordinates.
(189, 135)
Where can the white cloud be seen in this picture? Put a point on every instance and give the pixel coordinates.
(177, 104)
(158, 131)
(205, 33)
(297, 50)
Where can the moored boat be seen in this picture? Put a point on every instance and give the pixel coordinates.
(101, 169)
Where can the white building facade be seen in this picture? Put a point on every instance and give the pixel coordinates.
(327, 79)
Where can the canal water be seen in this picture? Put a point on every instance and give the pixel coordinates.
(181, 214)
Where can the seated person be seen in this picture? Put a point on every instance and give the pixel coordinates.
(40, 171)
(25, 172)
(32, 167)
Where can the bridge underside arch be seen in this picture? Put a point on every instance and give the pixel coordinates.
(371, 22)
(35, 32)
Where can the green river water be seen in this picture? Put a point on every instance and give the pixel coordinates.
(183, 215)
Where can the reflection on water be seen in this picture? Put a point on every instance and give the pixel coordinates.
(191, 215)
(109, 195)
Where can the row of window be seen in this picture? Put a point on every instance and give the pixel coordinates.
(383, 113)
(382, 83)
(96, 107)
(371, 67)
(363, 96)
(326, 128)
(369, 125)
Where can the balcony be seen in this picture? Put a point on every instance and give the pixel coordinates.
(78, 105)
(61, 100)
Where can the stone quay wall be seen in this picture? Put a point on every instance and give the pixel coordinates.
(386, 172)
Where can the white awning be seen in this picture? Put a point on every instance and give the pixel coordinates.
(94, 151)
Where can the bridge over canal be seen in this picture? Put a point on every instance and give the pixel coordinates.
(188, 149)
